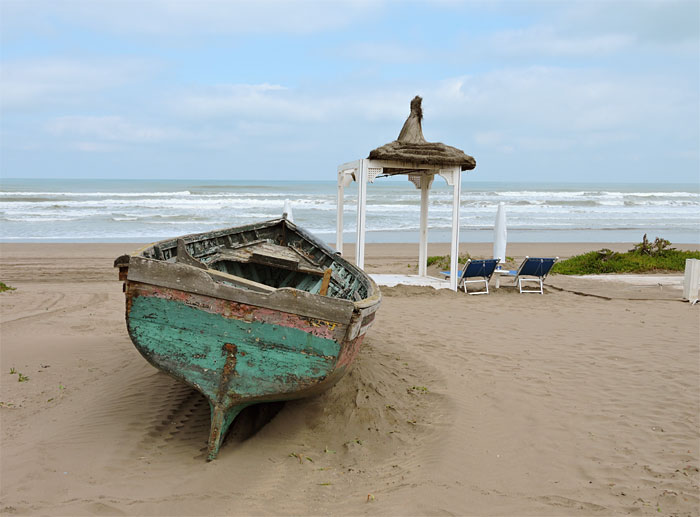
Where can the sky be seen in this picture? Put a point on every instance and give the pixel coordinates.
(554, 91)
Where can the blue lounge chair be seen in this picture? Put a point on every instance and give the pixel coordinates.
(533, 270)
(482, 270)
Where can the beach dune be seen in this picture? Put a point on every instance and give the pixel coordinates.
(561, 404)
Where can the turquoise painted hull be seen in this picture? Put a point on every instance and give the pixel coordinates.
(234, 354)
(263, 359)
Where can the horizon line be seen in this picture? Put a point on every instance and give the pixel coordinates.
(258, 180)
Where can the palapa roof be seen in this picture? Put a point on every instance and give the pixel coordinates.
(411, 146)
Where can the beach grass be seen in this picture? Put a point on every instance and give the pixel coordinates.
(443, 261)
(645, 257)
(4, 287)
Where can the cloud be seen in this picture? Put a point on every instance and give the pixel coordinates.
(545, 41)
(93, 147)
(498, 140)
(383, 52)
(267, 103)
(651, 22)
(584, 31)
(255, 101)
(557, 98)
(37, 83)
(187, 17)
(91, 132)
(319, 80)
(510, 110)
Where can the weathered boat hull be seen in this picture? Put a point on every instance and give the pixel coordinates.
(239, 347)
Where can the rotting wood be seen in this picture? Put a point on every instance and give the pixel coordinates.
(184, 256)
(326, 282)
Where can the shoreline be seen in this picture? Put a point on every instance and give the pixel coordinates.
(379, 257)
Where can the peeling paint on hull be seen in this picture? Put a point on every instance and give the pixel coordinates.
(236, 354)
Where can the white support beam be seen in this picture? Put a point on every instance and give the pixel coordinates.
(339, 217)
(344, 179)
(361, 178)
(349, 166)
(426, 181)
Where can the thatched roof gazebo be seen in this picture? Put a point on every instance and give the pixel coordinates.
(410, 154)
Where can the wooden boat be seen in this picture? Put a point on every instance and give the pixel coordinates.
(263, 312)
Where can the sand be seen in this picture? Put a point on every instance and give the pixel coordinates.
(506, 404)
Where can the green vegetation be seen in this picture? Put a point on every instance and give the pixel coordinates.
(4, 287)
(643, 257)
(443, 261)
(20, 376)
(300, 457)
(417, 389)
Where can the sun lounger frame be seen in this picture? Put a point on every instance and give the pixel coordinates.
(521, 277)
(486, 265)
(486, 285)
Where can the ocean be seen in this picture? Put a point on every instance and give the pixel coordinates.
(105, 210)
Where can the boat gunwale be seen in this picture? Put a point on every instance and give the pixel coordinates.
(190, 279)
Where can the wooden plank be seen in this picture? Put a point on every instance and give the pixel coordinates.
(267, 257)
(239, 281)
(326, 282)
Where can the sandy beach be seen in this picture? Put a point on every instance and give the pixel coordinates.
(581, 401)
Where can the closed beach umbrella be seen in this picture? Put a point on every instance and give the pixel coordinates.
(287, 211)
(500, 234)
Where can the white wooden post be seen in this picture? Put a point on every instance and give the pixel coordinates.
(339, 216)
(344, 179)
(456, 191)
(453, 177)
(361, 213)
(425, 182)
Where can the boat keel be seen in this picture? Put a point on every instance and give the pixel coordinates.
(221, 420)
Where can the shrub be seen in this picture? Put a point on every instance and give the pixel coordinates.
(644, 257)
(443, 261)
(657, 248)
(435, 259)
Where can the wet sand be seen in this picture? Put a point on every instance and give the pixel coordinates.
(506, 404)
